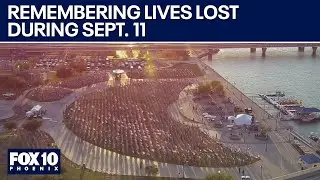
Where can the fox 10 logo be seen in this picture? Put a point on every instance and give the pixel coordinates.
(33, 161)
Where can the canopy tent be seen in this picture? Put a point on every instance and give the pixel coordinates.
(118, 71)
(36, 108)
(243, 119)
(231, 118)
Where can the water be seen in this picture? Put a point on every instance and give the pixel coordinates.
(284, 69)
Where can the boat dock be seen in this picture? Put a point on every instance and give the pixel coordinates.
(292, 109)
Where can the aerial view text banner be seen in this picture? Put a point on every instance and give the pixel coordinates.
(159, 20)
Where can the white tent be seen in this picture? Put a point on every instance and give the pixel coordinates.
(118, 71)
(243, 119)
(36, 108)
(209, 116)
(230, 118)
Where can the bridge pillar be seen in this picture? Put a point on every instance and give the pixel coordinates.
(301, 49)
(314, 50)
(264, 50)
(253, 50)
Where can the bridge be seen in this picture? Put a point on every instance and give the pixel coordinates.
(104, 47)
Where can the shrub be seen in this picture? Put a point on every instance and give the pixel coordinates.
(152, 170)
(10, 125)
(32, 125)
(64, 72)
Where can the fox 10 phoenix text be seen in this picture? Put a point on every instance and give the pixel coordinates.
(33, 161)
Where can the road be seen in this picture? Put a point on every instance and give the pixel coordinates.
(311, 176)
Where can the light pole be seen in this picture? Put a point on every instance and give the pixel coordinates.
(290, 129)
(227, 82)
(266, 143)
(261, 172)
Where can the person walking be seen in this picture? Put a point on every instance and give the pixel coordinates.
(239, 170)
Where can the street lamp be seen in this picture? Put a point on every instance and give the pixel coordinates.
(183, 171)
(227, 82)
(266, 143)
(261, 172)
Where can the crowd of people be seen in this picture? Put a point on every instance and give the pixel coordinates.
(48, 93)
(82, 80)
(133, 120)
(180, 70)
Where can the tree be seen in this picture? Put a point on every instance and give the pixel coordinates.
(204, 88)
(129, 54)
(219, 176)
(32, 125)
(10, 125)
(78, 66)
(152, 170)
(71, 56)
(64, 72)
(183, 54)
(147, 56)
(23, 65)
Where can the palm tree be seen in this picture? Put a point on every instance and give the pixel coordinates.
(219, 176)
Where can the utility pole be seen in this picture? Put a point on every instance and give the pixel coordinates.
(183, 171)
(277, 118)
(266, 144)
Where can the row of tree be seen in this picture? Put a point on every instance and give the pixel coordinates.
(179, 55)
(76, 66)
(31, 125)
(12, 81)
(211, 87)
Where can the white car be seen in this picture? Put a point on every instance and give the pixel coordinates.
(245, 178)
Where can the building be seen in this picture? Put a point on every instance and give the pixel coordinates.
(309, 161)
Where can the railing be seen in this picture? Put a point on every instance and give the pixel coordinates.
(297, 174)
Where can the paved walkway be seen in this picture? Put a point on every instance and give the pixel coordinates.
(6, 109)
